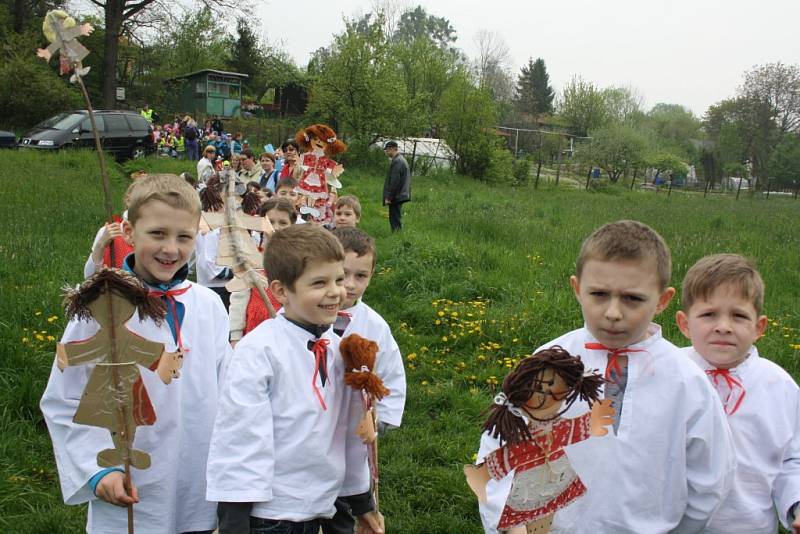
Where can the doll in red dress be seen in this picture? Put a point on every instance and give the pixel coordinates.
(320, 173)
(526, 416)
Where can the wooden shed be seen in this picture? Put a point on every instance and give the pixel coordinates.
(208, 92)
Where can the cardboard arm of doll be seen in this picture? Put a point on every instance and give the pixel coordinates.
(602, 416)
(477, 478)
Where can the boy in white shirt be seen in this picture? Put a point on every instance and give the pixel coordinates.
(669, 461)
(358, 318)
(169, 497)
(280, 445)
(722, 299)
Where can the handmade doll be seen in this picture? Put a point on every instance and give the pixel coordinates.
(319, 173)
(526, 416)
(62, 32)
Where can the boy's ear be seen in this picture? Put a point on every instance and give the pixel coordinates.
(683, 323)
(761, 325)
(279, 290)
(576, 286)
(664, 299)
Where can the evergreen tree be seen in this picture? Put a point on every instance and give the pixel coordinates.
(534, 92)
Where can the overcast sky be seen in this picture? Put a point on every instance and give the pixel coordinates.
(689, 52)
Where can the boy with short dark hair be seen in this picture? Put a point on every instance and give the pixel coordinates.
(722, 299)
(669, 461)
(278, 452)
(348, 211)
(358, 318)
(163, 217)
(286, 189)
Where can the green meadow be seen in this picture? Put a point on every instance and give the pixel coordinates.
(477, 279)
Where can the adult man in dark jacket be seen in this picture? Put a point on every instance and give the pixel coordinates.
(397, 188)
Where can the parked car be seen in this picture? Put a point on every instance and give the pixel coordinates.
(125, 134)
(8, 139)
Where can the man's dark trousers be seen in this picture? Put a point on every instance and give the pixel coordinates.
(395, 216)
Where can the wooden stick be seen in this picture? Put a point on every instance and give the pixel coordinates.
(121, 409)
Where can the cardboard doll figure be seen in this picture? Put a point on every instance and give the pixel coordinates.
(526, 416)
(319, 180)
(115, 397)
(62, 32)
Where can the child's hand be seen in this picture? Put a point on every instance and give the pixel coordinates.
(111, 488)
(110, 232)
(602, 416)
(370, 523)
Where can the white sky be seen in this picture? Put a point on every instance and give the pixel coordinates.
(689, 52)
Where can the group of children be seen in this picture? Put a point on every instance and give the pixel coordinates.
(704, 439)
(261, 438)
(257, 439)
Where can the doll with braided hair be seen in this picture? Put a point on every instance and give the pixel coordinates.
(527, 416)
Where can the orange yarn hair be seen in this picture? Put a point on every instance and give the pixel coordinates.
(359, 356)
(333, 145)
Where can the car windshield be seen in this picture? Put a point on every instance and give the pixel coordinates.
(62, 121)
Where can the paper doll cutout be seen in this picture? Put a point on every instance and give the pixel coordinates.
(526, 415)
(320, 174)
(62, 32)
(114, 397)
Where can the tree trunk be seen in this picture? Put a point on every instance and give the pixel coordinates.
(114, 19)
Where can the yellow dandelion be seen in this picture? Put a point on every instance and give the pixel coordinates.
(411, 357)
(39, 337)
(24, 339)
(424, 382)
(440, 313)
(444, 339)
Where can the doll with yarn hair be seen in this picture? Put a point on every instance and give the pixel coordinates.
(320, 173)
(527, 417)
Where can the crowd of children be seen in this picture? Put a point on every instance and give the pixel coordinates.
(258, 434)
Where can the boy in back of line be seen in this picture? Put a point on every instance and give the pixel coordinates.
(279, 450)
(348, 211)
(669, 461)
(722, 299)
(285, 189)
(358, 318)
(169, 497)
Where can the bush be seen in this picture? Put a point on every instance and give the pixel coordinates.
(501, 166)
(360, 153)
(522, 169)
(31, 91)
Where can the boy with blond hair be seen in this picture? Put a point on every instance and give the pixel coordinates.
(669, 461)
(163, 217)
(347, 212)
(721, 301)
(357, 317)
(278, 452)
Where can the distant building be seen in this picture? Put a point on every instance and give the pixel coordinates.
(208, 92)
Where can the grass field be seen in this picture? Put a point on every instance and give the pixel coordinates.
(477, 279)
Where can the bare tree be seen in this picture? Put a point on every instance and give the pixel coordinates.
(391, 10)
(778, 86)
(490, 67)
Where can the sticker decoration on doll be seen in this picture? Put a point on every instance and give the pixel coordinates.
(527, 417)
(360, 357)
(320, 174)
(237, 249)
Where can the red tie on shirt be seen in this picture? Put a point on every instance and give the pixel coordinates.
(170, 296)
(613, 355)
(734, 386)
(320, 350)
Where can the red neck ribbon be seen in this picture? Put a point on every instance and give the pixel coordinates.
(173, 309)
(734, 386)
(613, 355)
(320, 350)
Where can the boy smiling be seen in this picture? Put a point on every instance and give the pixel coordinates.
(668, 463)
(163, 217)
(277, 458)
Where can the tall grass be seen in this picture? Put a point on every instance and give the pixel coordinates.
(476, 280)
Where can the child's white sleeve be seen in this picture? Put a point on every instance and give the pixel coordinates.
(496, 490)
(75, 446)
(224, 350)
(390, 369)
(89, 268)
(786, 491)
(238, 313)
(710, 456)
(241, 458)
